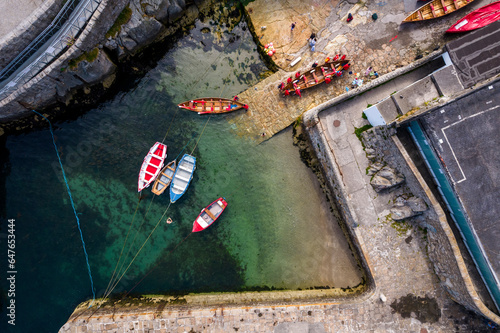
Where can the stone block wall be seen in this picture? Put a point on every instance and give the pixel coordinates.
(58, 81)
(27, 31)
(340, 197)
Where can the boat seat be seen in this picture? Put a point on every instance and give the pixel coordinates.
(420, 15)
(455, 2)
(209, 213)
(149, 173)
(444, 6)
(182, 167)
(432, 10)
(220, 203)
(182, 178)
(315, 77)
(178, 188)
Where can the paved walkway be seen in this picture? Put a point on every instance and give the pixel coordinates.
(14, 12)
(383, 44)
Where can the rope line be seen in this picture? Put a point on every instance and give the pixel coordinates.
(130, 247)
(171, 122)
(123, 247)
(151, 270)
(72, 206)
(139, 251)
(199, 138)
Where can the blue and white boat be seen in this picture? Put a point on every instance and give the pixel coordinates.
(182, 177)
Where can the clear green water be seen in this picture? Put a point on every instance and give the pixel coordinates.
(276, 232)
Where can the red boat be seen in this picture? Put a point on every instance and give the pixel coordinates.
(209, 214)
(152, 164)
(478, 18)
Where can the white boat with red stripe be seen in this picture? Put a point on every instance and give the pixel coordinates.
(151, 167)
(209, 214)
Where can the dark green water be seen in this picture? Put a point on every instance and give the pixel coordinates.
(276, 232)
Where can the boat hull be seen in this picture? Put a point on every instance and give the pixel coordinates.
(182, 177)
(209, 215)
(435, 9)
(208, 105)
(315, 76)
(164, 178)
(477, 19)
(152, 165)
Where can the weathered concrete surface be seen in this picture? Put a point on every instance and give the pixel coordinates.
(465, 135)
(383, 44)
(21, 22)
(477, 54)
(14, 12)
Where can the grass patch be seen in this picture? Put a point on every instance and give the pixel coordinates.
(363, 115)
(360, 130)
(297, 122)
(88, 56)
(123, 18)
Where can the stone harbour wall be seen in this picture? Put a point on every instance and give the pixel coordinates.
(18, 39)
(90, 64)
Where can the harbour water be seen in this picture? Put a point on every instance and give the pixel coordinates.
(277, 232)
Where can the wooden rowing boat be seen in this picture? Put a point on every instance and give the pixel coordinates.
(152, 164)
(209, 215)
(212, 105)
(182, 177)
(477, 19)
(164, 178)
(315, 76)
(435, 9)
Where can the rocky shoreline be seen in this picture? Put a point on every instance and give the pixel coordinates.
(111, 58)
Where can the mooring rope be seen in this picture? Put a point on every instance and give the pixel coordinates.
(72, 206)
(123, 247)
(139, 251)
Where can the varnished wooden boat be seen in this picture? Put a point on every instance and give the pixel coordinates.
(435, 9)
(477, 19)
(212, 105)
(163, 180)
(315, 76)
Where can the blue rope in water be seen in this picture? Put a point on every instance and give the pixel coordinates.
(73, 206)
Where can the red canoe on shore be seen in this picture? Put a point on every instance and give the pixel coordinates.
(151, 166)
(478, 18)
(209, 215)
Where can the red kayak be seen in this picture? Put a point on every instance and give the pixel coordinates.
(478, 18)
(209, 215)
(152, 164)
